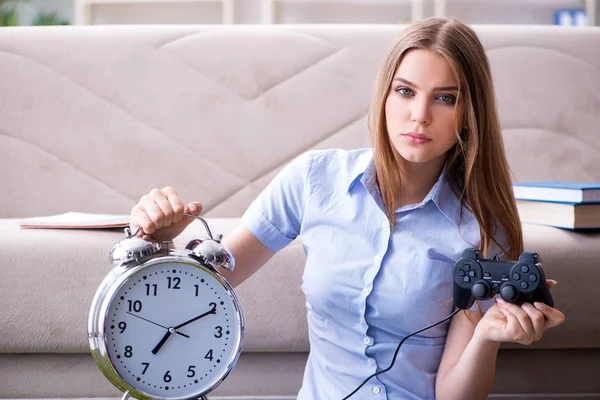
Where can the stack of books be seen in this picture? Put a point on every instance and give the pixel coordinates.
(569, 205)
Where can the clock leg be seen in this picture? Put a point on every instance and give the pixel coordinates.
(125, 395)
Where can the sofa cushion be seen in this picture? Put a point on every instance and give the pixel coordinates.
(49, 278)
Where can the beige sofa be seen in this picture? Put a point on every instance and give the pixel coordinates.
(92, 118)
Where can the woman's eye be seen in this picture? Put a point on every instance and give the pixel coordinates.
(404, 91)
(446, 98)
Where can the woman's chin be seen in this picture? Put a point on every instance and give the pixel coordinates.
(417, 157)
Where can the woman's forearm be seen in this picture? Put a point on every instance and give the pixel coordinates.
(472, 377)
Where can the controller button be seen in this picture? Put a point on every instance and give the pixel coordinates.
(467, 279)
(472, 274)
(468, 266)
(532, 278)
(524, 285)
(509, 293)
(524, 269)
(516, 276)
(480, 291)
(460, 273)
(487, 275)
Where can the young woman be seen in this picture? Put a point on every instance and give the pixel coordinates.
(382, 228)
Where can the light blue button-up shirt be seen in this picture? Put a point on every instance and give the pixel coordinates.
(366, 286)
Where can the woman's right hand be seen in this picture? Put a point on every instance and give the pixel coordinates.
(160, 214)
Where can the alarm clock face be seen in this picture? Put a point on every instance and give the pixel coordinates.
(173, 330)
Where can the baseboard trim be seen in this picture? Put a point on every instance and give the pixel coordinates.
(561, 396)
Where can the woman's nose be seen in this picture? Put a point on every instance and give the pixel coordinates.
(420, 112)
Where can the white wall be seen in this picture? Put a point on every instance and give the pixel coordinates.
(344, 11)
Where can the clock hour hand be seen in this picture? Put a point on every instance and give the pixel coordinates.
(152, 322)
(162, 341)
(212, 311)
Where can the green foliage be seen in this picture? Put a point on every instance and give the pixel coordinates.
(9, 15)
(10, 12)
(49, 18)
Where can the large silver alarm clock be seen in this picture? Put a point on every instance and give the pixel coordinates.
(164, 323)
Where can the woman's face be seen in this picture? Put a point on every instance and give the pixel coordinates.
(420, 107)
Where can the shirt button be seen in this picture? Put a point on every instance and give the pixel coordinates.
(365, 290)
(362, 320)
(370, 361)
(366, 340)
(385, 224)
(377, 257)
(376, 389)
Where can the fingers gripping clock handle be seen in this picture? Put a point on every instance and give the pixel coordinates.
(208, 231)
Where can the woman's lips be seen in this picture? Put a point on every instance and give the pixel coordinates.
(416, 138)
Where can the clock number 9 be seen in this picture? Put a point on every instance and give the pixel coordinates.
(122, 326)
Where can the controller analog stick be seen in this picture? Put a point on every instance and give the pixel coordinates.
(509, 293)
(481, 290)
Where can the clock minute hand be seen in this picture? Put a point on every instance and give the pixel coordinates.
(212, 311)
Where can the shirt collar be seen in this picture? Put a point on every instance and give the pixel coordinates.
(362, 170)
(445, 199)
(441, 194)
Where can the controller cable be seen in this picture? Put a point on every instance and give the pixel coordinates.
(398, 349)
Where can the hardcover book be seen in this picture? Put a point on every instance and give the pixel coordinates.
(561, 215)
(76, 220)
(565, 192)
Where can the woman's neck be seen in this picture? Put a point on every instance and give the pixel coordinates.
(418, 179)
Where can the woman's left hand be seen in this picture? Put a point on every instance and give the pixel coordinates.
(525, 324)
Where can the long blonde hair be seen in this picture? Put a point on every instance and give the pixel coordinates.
(476, 166)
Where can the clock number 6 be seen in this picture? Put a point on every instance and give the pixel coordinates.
(167, 378)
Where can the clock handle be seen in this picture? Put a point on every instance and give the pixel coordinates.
(205, 226)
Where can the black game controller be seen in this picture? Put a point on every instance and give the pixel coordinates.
(515, 281)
